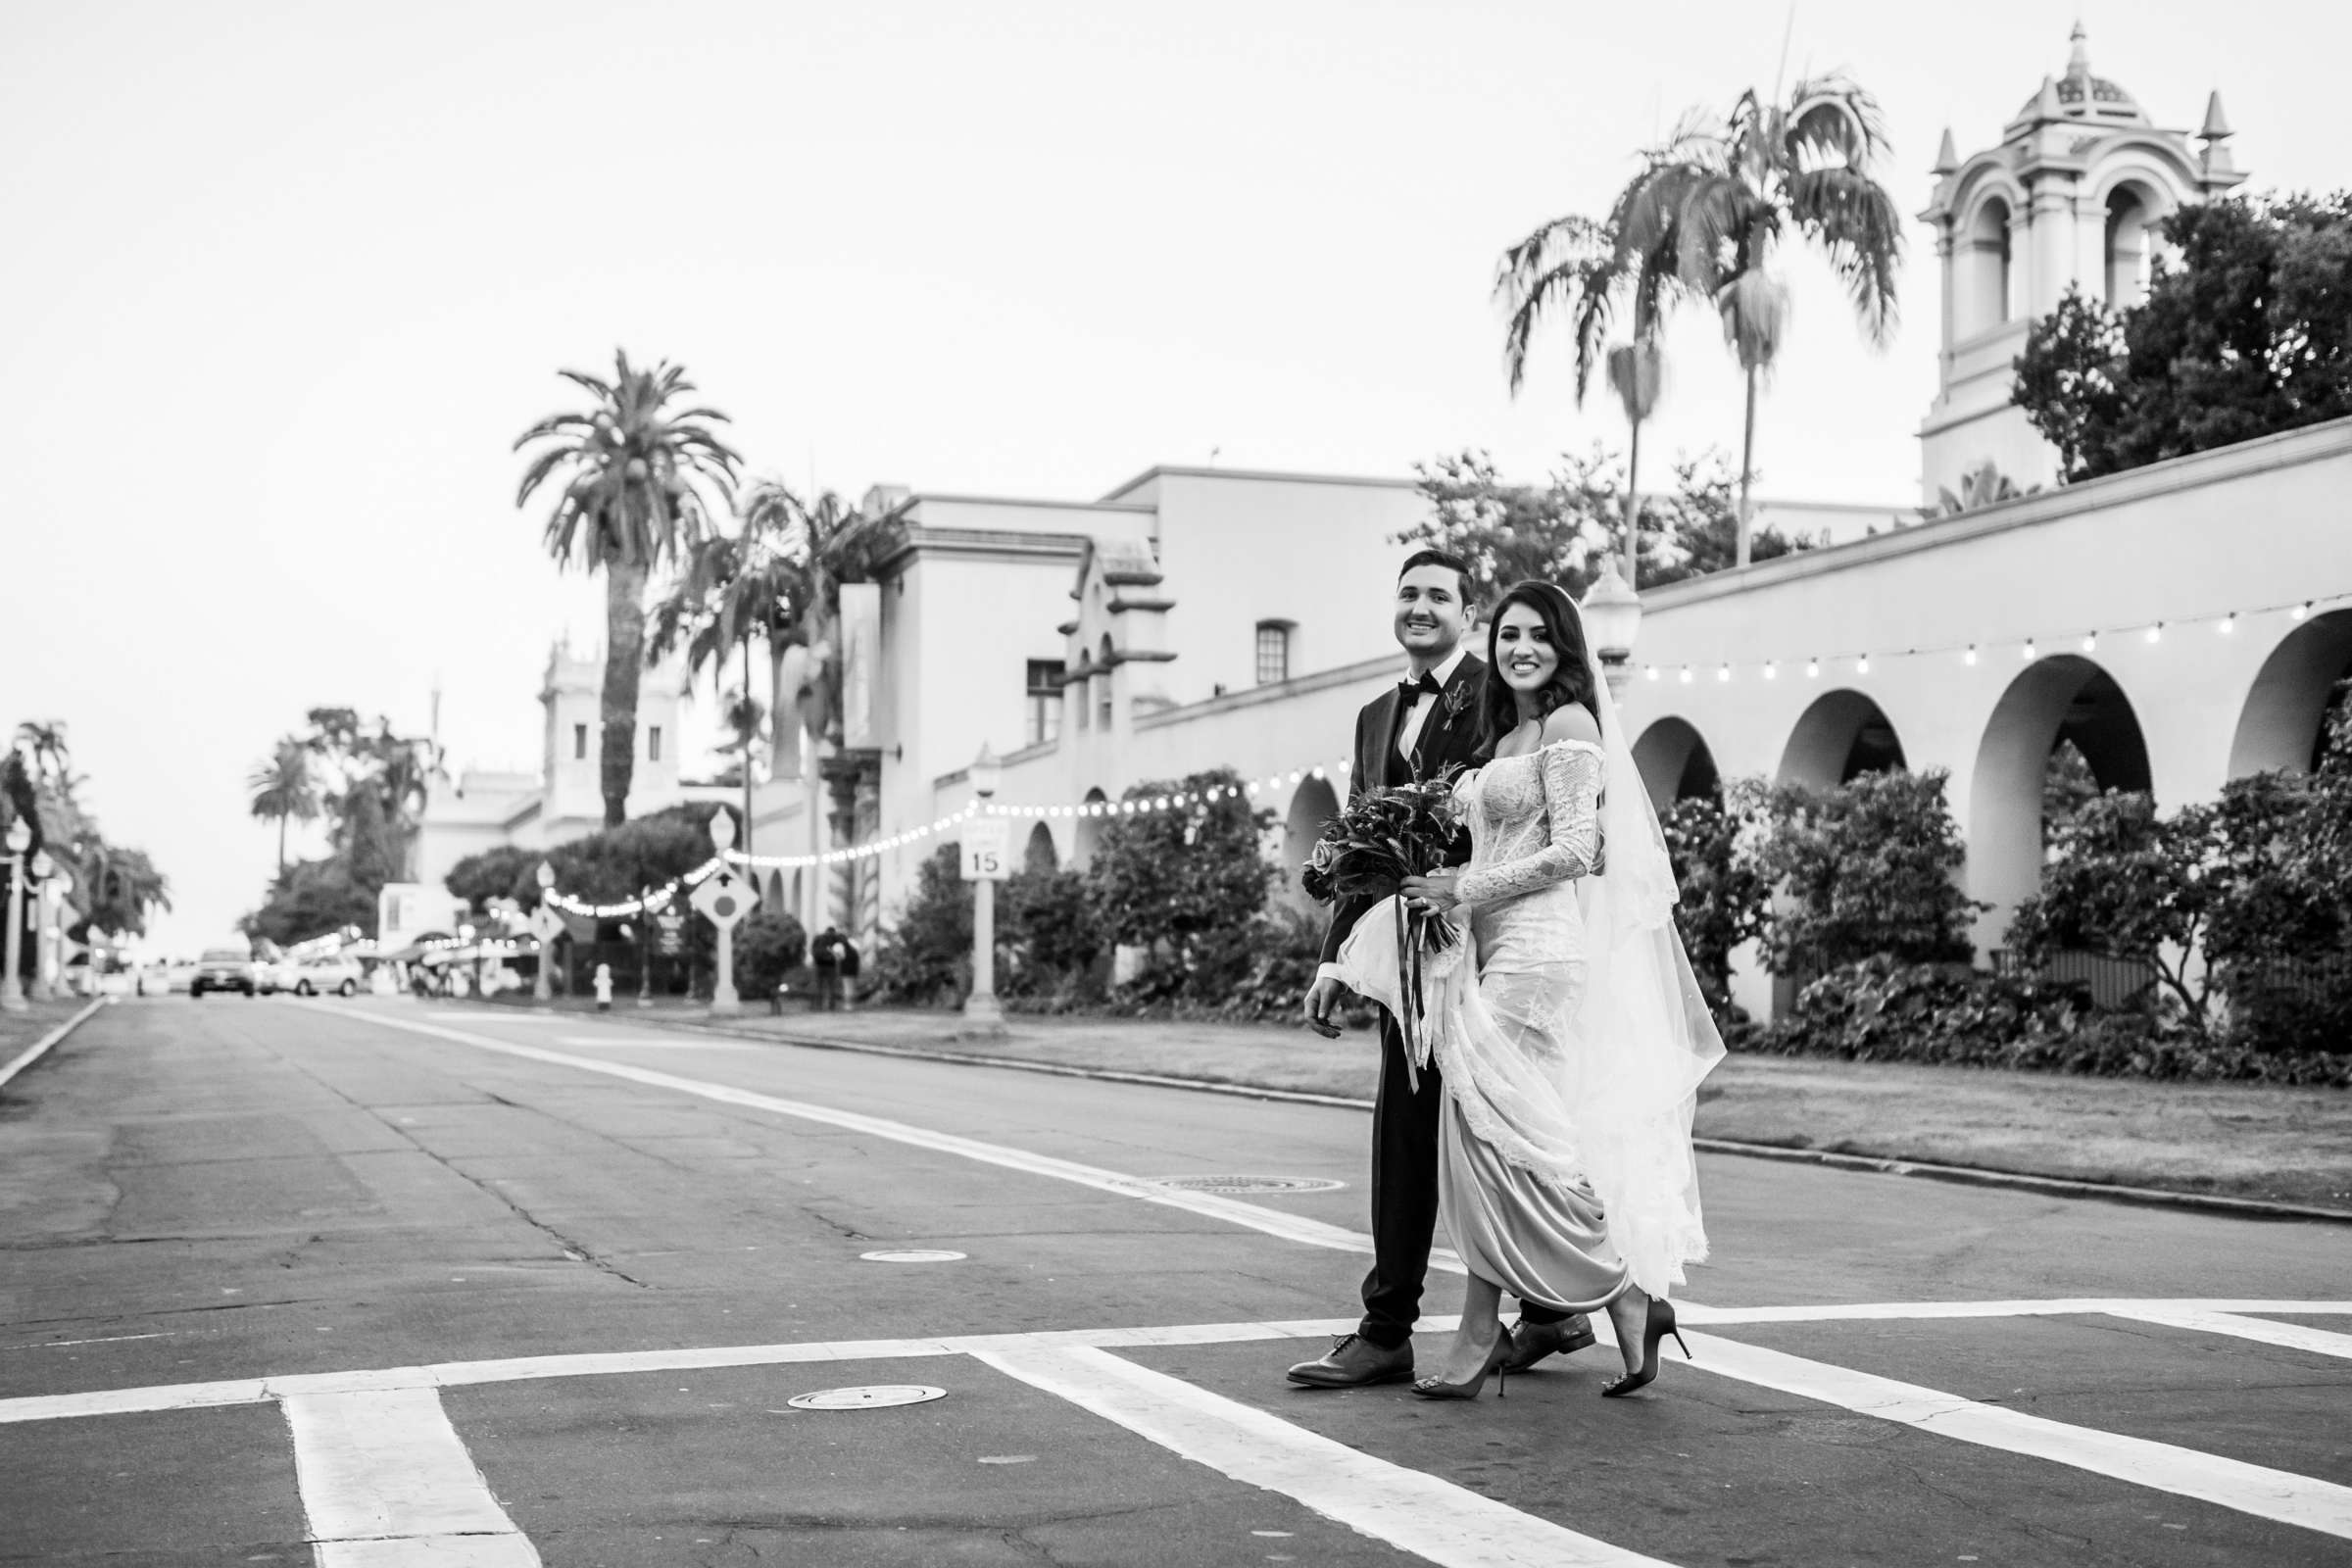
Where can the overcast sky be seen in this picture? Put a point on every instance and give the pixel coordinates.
(282, 282)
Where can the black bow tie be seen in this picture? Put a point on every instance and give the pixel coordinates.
(1410, 692)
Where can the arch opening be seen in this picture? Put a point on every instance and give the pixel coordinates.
(1676, 763)
(1837, 739)
(1088, 835)
(2284, 723)
(2060, 704)
(1039, 854)
(2130, 246)
(1314, 805)
(1985, 296)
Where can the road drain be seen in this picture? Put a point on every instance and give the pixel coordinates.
(1250, 1183)
(871, 1397)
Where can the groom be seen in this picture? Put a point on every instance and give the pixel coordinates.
(1428, 723)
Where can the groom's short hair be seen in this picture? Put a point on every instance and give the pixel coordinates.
(1432, 557)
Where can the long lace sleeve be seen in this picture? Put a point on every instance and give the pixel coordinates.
(1571, 774)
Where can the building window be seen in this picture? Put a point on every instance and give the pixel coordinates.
(653, 742)
(579, 742)
(1273, 651)
(1044, 693)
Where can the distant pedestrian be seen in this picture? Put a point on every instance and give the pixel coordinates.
(825, 953)
(603, 988)
(848, 974)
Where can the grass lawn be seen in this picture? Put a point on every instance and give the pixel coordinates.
(2238, 1141)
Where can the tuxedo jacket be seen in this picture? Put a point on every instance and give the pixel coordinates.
(1450, 737)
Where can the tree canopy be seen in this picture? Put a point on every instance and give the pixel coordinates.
(2246, 331)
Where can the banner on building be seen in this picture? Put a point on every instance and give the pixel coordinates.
(861, 665)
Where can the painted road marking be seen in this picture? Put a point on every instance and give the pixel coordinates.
(621, 1043)
(2294, 1336)
(2252, 1489)
(1406, 1508)
(385, 1481)
(1254, 1216)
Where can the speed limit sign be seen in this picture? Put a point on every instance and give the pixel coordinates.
(987, 849)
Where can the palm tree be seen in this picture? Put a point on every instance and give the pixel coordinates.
(283, 788)
(1770, 172)
(1590, 273)
(635, 469)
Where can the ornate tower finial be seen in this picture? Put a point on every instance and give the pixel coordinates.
(1947, 156)
(2077, 58)
(2217, 124)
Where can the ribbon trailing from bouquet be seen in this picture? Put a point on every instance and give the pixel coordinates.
(1407, 961)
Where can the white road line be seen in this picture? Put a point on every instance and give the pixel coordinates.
(2250, 1489)
(667, 1043)
(2058, 1307)
(2294, 1336)
(1271, 1221)
(1415, 1512)
(596, 1363)
(385, 1482)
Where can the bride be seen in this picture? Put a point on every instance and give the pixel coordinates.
(1569, 1032)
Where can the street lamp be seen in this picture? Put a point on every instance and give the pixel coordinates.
(12, 989)
(724, 1002)
(980, 1007)
(44, 928)
(1612, 613)
(542, 990)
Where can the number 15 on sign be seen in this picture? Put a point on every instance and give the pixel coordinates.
(987, 849)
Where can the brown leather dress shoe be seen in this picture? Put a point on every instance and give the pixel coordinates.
(1355, 1362)
(1534, 1342)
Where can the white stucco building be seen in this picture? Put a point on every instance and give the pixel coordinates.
(2180, 624)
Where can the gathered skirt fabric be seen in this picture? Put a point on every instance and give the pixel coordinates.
(1543, 1242)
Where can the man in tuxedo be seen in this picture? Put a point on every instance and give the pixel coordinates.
(1428, 722)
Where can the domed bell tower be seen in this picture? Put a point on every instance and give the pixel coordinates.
(2069, 197)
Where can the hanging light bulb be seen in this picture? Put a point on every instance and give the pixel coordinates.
(1652, 670)
(1970, 657)
(1686, 674)
(2156, 632)
(1862, 665)
(1724, 673)
(2090, 642)
(2228, 623)
(1772, 670)
(1812, 670)
(2027, 653)
(2300, 611)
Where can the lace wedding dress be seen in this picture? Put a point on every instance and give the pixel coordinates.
(1569, 1033)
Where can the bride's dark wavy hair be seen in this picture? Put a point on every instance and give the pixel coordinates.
(1571, 681)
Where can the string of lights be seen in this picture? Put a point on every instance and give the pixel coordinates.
(651, 901)
(1858, 662)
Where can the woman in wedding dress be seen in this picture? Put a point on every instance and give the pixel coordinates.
(1568, 1029)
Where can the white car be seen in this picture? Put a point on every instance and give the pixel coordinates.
(321, 977)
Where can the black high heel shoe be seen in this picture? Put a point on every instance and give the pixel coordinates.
(1656, 1323)
(1439, 1389)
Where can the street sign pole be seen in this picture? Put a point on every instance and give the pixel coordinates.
(986, 843)
(545, 923)
(723, 898)
(12, 989)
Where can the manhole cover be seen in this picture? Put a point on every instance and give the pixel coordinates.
(871, 1397)
(1250, 1183)
(913, 1255)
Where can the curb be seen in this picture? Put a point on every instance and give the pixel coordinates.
(1875, 1164)
(42, 1046)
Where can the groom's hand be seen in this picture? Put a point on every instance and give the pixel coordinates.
(1322, 999)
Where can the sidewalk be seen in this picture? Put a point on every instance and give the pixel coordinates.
(2285, 1145)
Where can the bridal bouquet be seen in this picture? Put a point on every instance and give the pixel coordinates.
(1383, 837)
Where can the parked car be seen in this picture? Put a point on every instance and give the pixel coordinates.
(165, 976)
(225, 969)
(325, 976)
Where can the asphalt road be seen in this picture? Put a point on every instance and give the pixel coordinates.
(379, 1283)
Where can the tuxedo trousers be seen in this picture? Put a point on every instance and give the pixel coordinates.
(1407, 1128)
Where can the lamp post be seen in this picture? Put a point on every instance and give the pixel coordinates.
(1612, 613)
(44, 928)
(12, 989)
(724, 1002)
(541, 986)
(980, 1006)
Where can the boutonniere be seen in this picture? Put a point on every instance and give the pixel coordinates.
(1457, 698)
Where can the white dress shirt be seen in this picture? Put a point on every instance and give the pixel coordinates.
(1416, 718)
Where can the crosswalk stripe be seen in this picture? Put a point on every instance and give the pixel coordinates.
(1408, 1509)
(386, 1483)
(2293, 1335)
(2250, 1489)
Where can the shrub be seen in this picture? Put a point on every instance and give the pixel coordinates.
(769, 945)
(926, 958)
(1181, 883)
(1725, 893)
(1869, 871)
